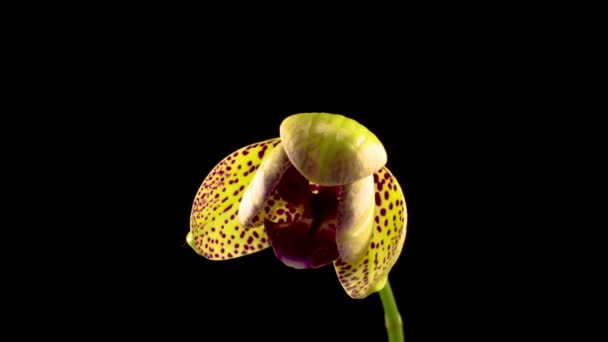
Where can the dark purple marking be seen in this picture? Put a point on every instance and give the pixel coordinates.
(387, 176)
(249, 163)
(375, 178)
(390, 206)
(256, 235)
(378, 200)
(386, 195)
(245, 152)
(250, 240)
(302, 244)
(379, 229)
(228, 207)
(242, 234)
(377, 219)
(383, 211)
(386, 222)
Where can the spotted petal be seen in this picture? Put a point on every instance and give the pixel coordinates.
(369, 274)
(215, 231)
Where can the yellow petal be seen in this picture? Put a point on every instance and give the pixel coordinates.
(331, 149)
(266, 179)
(215, 231)
(370, 273)
(355, 219)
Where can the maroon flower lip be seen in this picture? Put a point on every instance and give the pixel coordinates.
(309, 241)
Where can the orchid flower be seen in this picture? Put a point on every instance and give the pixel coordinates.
(318, 195)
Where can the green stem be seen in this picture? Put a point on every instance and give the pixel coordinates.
(392, 318)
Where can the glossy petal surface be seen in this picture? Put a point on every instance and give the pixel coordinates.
(215, 231)
(370, 273)
(301, 224)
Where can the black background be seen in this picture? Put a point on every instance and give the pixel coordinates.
(164, 283)
(148, 119)
(115, 115)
